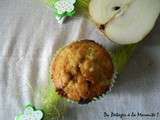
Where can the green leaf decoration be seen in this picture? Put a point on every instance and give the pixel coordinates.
(71, 13)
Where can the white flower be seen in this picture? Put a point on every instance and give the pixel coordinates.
(30, 114)
(63, 6)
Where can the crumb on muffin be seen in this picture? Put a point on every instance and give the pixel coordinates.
(82, 71)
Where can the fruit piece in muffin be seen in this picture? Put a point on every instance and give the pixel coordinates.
(82, 71)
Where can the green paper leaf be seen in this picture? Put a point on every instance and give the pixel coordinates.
(60, 15)
(19, 117)
(71, 13)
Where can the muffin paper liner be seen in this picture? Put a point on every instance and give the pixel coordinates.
(112, 80)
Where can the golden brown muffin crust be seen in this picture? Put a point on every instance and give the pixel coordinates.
(82, 70)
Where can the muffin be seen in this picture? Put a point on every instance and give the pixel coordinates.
(82, 71)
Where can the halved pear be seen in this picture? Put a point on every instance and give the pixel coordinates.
(125, 21)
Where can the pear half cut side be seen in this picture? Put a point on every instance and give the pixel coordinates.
(125, 21)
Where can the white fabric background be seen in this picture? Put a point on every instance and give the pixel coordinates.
(30, 35)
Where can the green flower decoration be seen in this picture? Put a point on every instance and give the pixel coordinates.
(30, 114)
(64, 8)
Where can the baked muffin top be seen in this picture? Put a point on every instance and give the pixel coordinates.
(82, 71)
